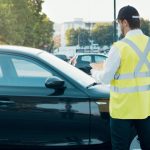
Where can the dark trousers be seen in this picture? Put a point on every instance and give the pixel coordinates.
(121, 130)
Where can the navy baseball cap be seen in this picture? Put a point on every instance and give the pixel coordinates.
(128, 13)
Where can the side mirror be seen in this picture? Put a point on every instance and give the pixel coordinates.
(54, 83)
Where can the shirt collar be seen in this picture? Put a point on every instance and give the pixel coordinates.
(134, 32)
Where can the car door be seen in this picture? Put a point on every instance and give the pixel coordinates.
(32, 114)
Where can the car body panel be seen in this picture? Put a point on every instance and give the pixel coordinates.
(43, 119)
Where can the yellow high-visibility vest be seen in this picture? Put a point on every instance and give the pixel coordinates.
(130, 88)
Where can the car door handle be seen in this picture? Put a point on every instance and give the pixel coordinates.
(101, 103)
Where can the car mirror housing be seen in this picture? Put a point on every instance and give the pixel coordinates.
(54, 83)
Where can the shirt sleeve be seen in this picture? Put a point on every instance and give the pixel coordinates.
(110, 67)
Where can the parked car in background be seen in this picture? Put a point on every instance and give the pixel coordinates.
(47, 103)
(62, 56)
(83, 60)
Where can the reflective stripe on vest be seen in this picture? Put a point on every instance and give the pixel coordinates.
(143, 59)
(131, 89)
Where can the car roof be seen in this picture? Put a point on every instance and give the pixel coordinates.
(20, 49)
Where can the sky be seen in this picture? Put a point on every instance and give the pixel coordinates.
(60, 11)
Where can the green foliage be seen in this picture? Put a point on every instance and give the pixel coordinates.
(23, 23)
(77, 37)
(83, 37)
(102, 34)
(71, 37)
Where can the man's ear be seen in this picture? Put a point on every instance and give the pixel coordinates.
(125, 23)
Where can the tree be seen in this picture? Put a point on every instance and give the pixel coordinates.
(8, 22)
(23, 23)
(103, 34)
(83, 37)
(77, 37)
(71, 37)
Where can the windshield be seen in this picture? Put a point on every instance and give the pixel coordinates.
(74, 73)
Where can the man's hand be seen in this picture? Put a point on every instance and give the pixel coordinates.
(97, 66)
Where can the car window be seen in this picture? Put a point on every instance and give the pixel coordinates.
(99, 58)
(22, 71)
(28, 68)
(86, 58)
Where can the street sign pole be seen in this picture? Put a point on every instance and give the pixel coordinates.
(115, 31)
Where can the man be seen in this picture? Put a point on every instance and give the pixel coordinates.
(127, 69)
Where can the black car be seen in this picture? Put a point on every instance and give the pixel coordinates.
(83, 60)
(46, 102)
(62, 56)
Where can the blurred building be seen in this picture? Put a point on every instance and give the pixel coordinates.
(76, 23)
